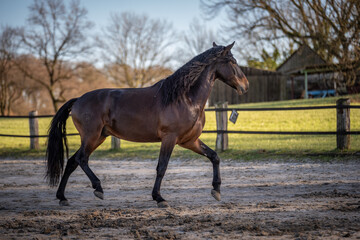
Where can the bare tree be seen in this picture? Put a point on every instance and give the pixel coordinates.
(330, 27)
(88, 78)
(134, 45)
(56, 35)
(9, 90)
(195, 40)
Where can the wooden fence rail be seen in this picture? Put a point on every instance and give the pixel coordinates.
(342, 133)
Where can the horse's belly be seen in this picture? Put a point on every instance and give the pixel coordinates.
(133, 132)
(138, 137)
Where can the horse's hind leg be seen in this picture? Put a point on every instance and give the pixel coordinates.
(199, 147)
(82, 158)
(71, 165)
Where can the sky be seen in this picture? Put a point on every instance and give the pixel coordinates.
(179, 12)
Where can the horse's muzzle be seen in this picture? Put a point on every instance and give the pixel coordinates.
(243, 86)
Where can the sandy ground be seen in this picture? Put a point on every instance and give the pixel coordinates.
(302, 199)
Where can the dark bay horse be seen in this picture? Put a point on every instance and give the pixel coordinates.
(171, 112)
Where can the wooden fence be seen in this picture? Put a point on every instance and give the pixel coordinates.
(342, 117)
(342, 133)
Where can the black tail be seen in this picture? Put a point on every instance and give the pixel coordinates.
(56, 141)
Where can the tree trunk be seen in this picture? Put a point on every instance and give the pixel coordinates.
(53, 100)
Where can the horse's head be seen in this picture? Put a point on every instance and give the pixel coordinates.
(229, 72)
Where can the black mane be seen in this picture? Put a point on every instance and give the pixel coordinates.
(180, 82)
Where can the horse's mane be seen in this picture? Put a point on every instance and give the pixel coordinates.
(180, 82)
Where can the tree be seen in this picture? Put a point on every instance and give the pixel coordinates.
(134, 46)
(88, 78)
(195, 40)
(330, 27)
(56, 34)
(8, 86)
(33, 94)
(269, 60)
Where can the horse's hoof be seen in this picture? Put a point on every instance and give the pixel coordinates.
(163, 204)
(216, 195)
(99, 194)
(64, 203)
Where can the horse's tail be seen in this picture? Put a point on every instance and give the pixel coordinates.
(56, 141)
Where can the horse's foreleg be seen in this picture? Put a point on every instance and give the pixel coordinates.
(71, 165)
(167, 146)
(199, 147)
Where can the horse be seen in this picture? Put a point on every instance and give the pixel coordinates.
(171, 112)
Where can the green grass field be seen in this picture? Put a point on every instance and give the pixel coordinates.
(242, 146)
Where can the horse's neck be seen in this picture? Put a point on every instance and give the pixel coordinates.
(200, 91)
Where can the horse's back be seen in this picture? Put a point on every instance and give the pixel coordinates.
(91, 105)
(101, 101)
(130, 114)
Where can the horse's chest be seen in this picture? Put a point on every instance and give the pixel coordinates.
(192, 119)
(193, 130)
(184, 121)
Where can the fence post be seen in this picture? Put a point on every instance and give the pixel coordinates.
(221, 125)
(115, 142)
(342, 123)
(34, 130)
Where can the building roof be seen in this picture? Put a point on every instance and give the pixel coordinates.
(303, 57)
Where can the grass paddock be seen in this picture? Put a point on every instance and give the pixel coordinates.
(240, 145)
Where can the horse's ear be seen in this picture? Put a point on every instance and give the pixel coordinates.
(228, 48)
(214, 44)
